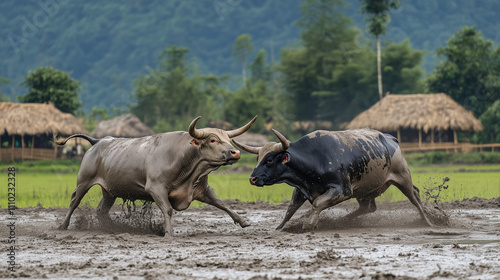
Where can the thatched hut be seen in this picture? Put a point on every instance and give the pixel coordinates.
(27, 130)
(127, 125)
(418, 118)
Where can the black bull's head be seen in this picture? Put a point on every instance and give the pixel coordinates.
(271, 161)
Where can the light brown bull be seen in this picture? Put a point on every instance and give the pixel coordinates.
(170, 169)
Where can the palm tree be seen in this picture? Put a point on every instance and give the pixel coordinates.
(378, 15)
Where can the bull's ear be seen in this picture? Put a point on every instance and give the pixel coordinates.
(287, 158)
(195, 143)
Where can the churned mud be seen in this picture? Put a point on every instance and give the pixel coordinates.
(391, 243)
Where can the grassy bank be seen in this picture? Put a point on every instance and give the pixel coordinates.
(51, 183)
(453, 158)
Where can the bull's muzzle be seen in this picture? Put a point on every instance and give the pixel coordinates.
(232, 156)
(253, 180)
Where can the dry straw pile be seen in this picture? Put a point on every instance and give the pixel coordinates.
(122, 126)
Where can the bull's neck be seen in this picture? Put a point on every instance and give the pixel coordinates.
(301, 171)
(193, 167)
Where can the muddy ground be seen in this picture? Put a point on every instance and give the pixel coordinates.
(388, 244)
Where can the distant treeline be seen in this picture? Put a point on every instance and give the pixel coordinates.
(106, 45)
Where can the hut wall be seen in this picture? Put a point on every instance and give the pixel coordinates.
(27, 147)
(17, 154)
(411, 136)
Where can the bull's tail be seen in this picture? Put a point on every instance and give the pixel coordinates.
(92, 140)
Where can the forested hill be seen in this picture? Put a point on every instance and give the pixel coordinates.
(108, 44)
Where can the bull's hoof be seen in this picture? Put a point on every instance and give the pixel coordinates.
(308, 227)
(245, 224)
(168, 236)
(62, 227)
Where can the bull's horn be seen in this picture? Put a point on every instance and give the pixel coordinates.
(284, 142)
(195, 133)
(241, 130)
(250, 149)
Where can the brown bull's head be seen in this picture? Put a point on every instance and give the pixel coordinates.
(270, 162)
(215, 144)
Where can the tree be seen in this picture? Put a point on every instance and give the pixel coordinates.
(328, 37)
(402, 69)
(3, 81)
(242, 49)
(255, 98)
(470, 71)
(378, 15)
(491, 124)
(47, 84)
(169, 97)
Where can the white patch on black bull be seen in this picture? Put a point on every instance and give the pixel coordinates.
(170, 169)
(328, 167)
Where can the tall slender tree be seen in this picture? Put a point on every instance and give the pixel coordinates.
(3, 81)
(242, 49)
(378, 15)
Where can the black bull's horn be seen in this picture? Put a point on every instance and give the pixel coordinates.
(199, 133)
(285, 144)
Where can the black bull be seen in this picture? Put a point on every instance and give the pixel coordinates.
(170, 169)
(328, 167)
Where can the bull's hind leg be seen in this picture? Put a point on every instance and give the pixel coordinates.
(208, 196)
(76, 197)
(104, 206)
(412, 193)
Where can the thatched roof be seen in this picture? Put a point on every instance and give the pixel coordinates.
(36, 118)
(122, 126)
(417, 111)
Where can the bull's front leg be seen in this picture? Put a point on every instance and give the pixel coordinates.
(159, 194)
(331, 197)
(297, 200)
(208, 196)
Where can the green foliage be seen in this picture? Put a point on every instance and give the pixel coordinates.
(378, 14)
(3, 81)
(420, 159)
(47, 84)
(402, 69)
(107, 50)
(242, 49)
(491, 123)
(255, 98)
(43, 166)
(332, 77)
(97, 115)
(169, 97)
(470, 71)
(326, 35)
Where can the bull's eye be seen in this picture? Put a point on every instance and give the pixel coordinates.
(269, 161)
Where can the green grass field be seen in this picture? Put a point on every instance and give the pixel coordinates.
(51, 184)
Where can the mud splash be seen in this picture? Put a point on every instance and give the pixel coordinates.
(127, 218)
